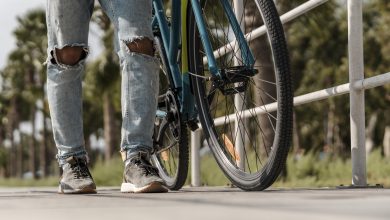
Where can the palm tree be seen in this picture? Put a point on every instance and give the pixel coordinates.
(32, 43)
(12, 87)
(24, 85)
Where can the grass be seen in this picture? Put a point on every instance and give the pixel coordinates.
(104, 173)
(17, 182)
(108, 173)
(309, 170)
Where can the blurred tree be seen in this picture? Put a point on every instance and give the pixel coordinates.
(24, 85)
(103, 83)
(318, 52)
(13, 86)
(377, 61)
(318, 48)
(31, 41)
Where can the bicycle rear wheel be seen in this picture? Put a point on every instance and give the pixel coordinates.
(170, 134)
(247, 121)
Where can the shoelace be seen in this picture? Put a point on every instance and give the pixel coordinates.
(80, 170)
(145, 166)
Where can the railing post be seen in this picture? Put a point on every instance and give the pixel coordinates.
(195, 157)
(238, 102)
(356, 97)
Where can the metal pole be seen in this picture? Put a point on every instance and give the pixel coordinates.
(356, 96)
(374, 81)
(238, 102)
(195, 157)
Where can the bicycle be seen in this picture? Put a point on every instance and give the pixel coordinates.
(211, 69)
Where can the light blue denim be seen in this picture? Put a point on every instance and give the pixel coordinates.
(68, 25)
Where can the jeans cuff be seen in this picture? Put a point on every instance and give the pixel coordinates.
(79, 154)
(130, 151)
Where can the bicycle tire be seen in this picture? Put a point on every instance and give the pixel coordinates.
(245, 177)
(172, 163)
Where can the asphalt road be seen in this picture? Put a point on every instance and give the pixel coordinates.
(197, 203)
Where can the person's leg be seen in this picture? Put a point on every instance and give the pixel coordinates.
(135, 46)
(68, 25)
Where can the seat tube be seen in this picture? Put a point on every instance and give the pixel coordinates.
(166, 35)
(175, 31)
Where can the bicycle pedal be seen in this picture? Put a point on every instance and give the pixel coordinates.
(238, 73)
(234, 79)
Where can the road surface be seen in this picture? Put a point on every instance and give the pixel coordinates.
(197, 203)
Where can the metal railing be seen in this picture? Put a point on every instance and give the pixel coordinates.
(356, 86)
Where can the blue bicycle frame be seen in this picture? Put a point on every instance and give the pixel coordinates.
(171, 33)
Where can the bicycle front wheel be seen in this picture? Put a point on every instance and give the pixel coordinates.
(246, 117)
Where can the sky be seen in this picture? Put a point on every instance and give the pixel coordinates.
(8, 14)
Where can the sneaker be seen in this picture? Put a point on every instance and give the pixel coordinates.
(76, 177)
(140, 176)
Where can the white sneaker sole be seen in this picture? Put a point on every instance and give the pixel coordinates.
(154, 187)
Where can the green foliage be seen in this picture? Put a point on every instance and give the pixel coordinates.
(318, 43)
(104, 173)
(310, 170)
(313, 170)
(210, 174)
(377, 59)
(16, 182)
(378, 168)
(3, 158)
(108, 173)
(23, 77)
(317, 168)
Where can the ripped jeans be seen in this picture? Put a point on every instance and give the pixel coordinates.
(68, 26)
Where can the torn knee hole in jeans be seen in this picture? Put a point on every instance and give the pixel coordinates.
(55, 60)
(140, 45)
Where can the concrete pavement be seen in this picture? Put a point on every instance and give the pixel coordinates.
(197, 203)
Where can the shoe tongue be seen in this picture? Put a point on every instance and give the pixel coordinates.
(71, 160)
(139, 156)
(144, 155)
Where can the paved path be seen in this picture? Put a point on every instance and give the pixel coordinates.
(197, 203)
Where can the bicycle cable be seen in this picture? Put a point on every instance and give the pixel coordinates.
(199, 76)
